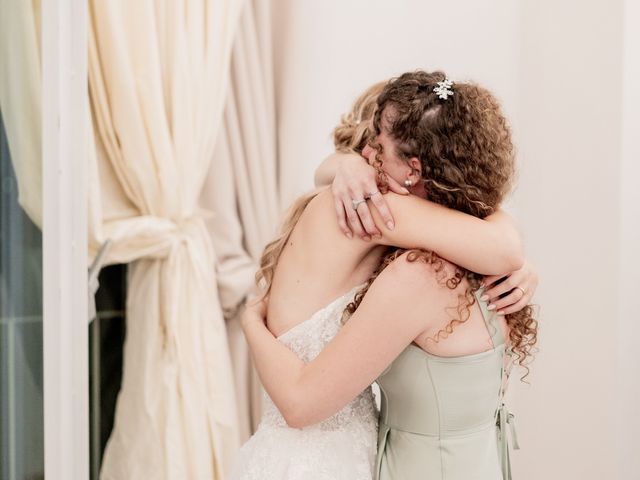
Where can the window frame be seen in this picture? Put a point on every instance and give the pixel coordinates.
(64, 244)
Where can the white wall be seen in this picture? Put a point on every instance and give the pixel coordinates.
(569, 120)
(327, 52)
(558, 68)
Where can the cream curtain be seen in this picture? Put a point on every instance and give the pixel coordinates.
(242, 189)
(20, 98)
(158, 77)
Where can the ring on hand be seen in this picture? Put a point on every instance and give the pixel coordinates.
(356, 203)
(524, 292)
(373, 193)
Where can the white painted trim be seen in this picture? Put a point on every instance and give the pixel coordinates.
(64, 117)
(628, 422)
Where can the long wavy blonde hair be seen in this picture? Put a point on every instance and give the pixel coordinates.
(353, 132)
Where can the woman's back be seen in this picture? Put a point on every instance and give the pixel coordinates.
(317, 265)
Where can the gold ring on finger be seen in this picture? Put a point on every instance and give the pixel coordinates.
(524, 292)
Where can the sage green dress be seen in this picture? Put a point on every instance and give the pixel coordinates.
(443, 418)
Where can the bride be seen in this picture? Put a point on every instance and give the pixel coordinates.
(320, 422)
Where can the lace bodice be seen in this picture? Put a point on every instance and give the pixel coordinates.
(342, 447)
(306, 340)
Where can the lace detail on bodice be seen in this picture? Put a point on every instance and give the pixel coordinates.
(340, 447)
(307, 340)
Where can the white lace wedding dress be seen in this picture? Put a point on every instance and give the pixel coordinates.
(342, 447)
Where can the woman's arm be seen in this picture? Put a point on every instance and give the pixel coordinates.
(390, 316)
(326, 171)
(490, 247)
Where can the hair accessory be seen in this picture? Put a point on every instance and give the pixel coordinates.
(443, 90)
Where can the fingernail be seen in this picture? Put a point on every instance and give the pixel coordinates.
(491, 307)
(484, 298)
(500, 313)
(405, 190)
(390, 225)
(349, 235)
(481, 284)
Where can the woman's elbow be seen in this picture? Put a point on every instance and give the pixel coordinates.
(297, 416)
(296, 422)
(512, 251)
(514, 259)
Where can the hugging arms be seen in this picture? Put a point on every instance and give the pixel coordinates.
(380, 329)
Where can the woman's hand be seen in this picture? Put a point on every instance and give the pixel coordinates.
(255, 313)
(355, 182)
(518, 288)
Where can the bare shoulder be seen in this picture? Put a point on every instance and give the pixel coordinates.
(406, 294)
(322, 203)
(319, 210)
(420, 268)
(415, 275)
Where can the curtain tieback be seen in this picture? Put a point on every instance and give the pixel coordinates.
(192, 233)
(156, 237)
(191, 226)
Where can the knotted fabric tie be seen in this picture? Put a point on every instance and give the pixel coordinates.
(503, 419)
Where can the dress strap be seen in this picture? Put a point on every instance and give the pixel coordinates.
(490, 320)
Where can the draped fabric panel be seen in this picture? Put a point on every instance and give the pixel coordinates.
(158, 78)
(21, 98)
(242, 190)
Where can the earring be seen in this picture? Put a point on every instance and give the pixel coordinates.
(408, 183)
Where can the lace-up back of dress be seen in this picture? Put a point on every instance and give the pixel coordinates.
(307, 340)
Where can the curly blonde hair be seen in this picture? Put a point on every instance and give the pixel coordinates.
(353, 132)
(467, 156)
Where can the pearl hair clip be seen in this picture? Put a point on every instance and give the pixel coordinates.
(443, 90)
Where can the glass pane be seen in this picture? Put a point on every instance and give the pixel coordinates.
(21, 427)
(21, 395)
